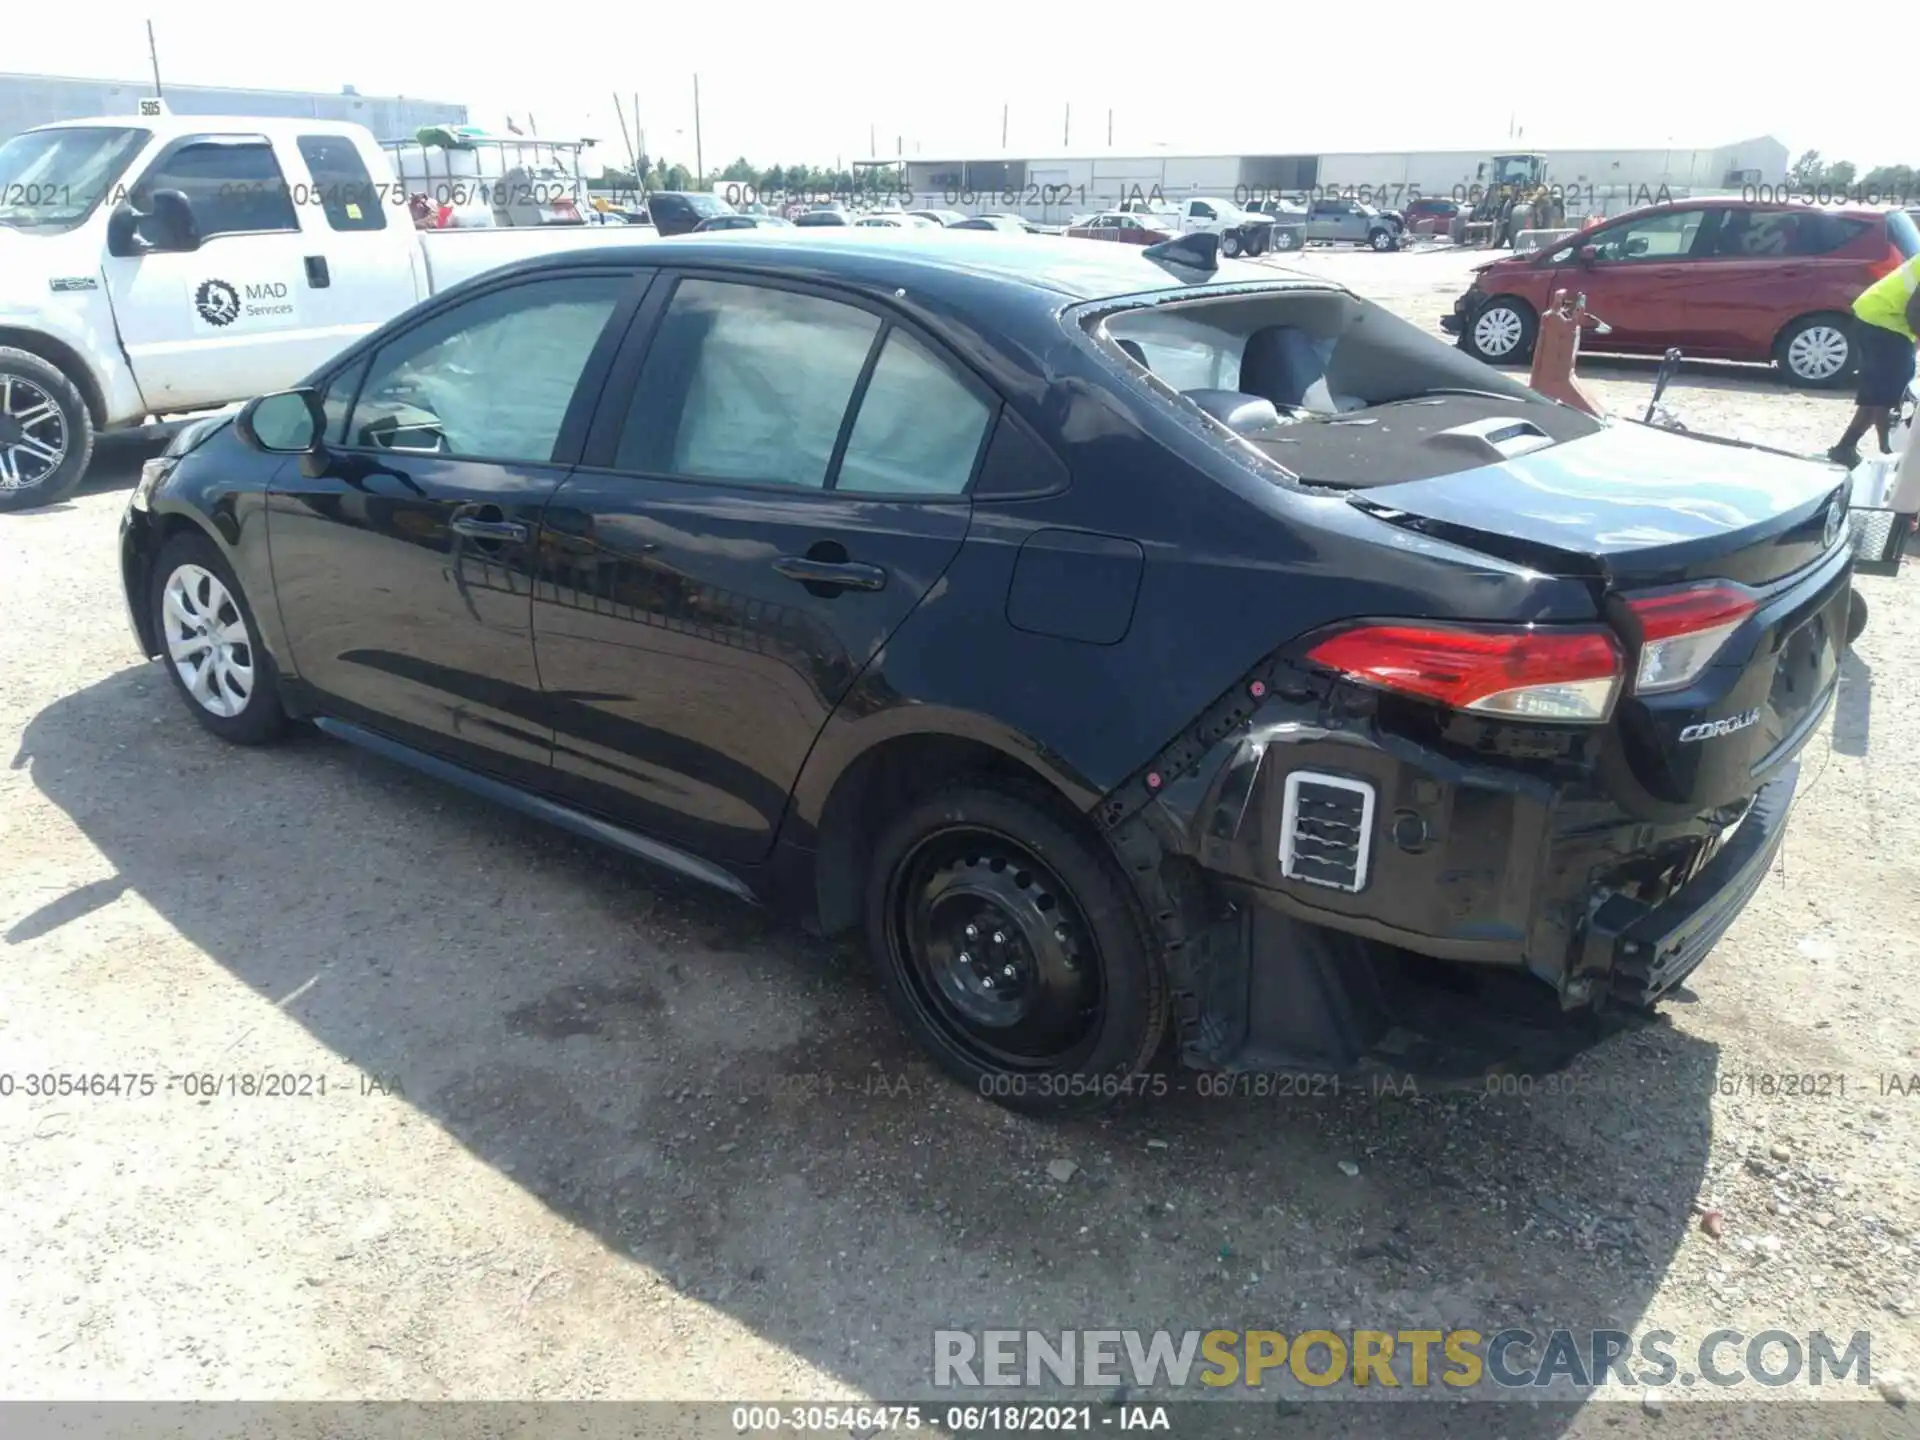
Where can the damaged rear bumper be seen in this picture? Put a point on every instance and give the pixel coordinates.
(1477, 914)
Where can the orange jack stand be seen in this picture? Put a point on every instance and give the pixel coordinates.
(1557, 348)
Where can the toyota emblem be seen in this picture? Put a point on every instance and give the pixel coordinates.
(1836, 521)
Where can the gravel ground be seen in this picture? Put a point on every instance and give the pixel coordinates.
(588, 1132)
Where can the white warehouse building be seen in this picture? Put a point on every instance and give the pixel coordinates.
(1050, 186)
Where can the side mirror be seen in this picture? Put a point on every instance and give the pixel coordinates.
(174, 220)
(123, 231)
(1588, 254)
(288, 422)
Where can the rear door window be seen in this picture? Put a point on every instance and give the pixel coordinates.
(342, 188)
(746, 384)
(1749, 234)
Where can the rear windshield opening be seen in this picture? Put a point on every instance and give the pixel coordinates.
(1335, 389)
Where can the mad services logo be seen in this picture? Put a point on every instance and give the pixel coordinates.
(218, 302)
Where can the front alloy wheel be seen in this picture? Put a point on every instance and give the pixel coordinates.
(1498, 332)
(207, 641)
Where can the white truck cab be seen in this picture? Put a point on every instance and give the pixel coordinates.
(154, 264)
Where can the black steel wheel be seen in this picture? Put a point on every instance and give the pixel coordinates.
(1010, 947)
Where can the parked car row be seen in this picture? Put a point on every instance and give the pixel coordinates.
(1721, 279)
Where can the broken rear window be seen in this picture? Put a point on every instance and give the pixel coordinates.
(1332, 388)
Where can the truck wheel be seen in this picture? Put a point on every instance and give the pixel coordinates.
(1383, 240)
(1856, 617)
(1501, 332)
(1230, 244)
(1257, 242)
(1286, 240)
(1009, 944)
(46, 434)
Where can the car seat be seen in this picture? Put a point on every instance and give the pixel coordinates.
(1288, 366)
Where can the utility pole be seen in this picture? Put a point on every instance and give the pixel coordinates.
(1003, 126)
(1066, 137)
(699, 160)
(873, 148)
(153, 53)
(1109, 129)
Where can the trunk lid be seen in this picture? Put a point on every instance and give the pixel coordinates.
(1637, 511)
(1628, 504)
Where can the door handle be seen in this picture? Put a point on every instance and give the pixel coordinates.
(838, 574)
(475, 528)
(317, 274)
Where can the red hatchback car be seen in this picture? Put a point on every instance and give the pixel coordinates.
(1720, 279)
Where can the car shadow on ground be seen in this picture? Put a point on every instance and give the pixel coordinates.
(726, 1101)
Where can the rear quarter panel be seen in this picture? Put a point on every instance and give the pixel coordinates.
(1231, 568)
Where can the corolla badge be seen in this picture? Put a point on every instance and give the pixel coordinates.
(1836, 521)
(1709, 729)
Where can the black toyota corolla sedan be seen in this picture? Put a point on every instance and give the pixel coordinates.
(1133, 645)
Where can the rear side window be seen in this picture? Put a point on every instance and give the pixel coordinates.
(342, 187)
(748, 384)
(235, 188)
(1796, 231)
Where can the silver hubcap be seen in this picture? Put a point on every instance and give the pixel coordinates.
(207, 641)
(1818, 353)
(1381, 240)
(33, 433)
(1497, 331)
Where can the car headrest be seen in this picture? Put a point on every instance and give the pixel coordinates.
(1242, 413)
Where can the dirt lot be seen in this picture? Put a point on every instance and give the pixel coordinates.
(588, 1132)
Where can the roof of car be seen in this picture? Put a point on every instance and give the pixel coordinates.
(934, 262)
(1860, 210)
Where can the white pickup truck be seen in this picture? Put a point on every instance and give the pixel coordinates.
(164, 263)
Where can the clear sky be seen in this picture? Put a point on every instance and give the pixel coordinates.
(786, 83)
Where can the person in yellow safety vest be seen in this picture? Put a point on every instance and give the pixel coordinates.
(1887, 317)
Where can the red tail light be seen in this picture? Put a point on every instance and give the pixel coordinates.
(1522, 672)
(1682, 630)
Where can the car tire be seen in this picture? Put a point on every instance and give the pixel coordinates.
(1856, 617)
(1501, 332)
(1286, 240)
(1817, 351)
(1010, 947)
(199, 610)
(1257, 242)
(1383, 240)
(1230, 245)
(41, 410)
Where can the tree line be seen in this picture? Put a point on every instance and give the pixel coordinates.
(1813, 173)
(768, 180)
